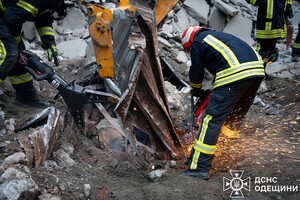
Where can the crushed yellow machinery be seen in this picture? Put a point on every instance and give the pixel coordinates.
(127, 59)
(100, 28)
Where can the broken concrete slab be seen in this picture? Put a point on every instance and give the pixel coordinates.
(217, 19)
(182, 57)
(286, 75)
(157, 173)
(9, 125)
(72, 49)
(228, 9)
(63, 159)
(240, 27)
(165, 42)
(90, 49)
(29, 31)
(48, 197)
(74, 19)
(197, 9)
(167, 30)
(174, 98)
(275, 68)
(185, 21)
(242, 4)
(15, 158)
(17, 185)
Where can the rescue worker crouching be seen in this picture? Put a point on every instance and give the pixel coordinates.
(13, 13)
(238, 71)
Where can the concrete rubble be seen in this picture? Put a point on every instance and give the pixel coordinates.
(16, 184)
(231, 16)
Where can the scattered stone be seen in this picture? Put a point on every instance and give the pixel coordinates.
(173, 163)
(181, 57)
(48, 197)
(242, 30)
(74, 71)
(156, 173)
(9, 125)
(113, 163)
(273, 110)
(67, 147)
(101, 193)
(259, 102)
(262, 88)
(199, 10)
(62, 186)
(63, 159)
(29, 31)
(72, 49)
(165, 42)
(50, 165)
(17, 185)
(18, 157)
(86, 189)
(74, 19)
(3, 144)
(275, 68)
(226, 8)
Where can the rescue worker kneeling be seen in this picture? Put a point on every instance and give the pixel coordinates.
(13, 13)
(238, 71)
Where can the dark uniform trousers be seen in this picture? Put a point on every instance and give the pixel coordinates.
(9, 53)
(235, 100)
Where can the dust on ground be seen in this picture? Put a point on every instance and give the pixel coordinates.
(268, 147)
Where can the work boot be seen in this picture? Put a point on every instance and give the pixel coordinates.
(26, 94)
(274, 56)
(295, 54)
(196, 174)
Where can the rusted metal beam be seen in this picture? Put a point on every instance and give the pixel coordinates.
(38, 143)
(143, 104)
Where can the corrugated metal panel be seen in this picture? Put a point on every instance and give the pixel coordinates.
(138, 74)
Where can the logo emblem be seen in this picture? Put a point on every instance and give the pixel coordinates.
(236, 184)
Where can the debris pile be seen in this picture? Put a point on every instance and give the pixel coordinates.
(48, 151)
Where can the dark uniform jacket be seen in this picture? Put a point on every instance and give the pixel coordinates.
(16, 12)
(271, 18)
(227, 57)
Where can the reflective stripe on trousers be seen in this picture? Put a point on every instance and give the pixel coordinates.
(2, 52)
(24, 78)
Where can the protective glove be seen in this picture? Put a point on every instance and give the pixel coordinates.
(52, 54)
(197, 92)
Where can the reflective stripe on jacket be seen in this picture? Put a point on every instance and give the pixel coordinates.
(2, 8)
(18, 12)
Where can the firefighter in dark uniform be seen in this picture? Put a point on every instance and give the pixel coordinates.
(13, 13)
(296, 47)
(271, 25)
(238, 71)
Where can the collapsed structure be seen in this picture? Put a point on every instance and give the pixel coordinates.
(143, 107)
